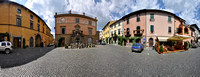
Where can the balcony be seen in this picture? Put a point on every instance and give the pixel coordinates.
(127, 34)
(138, 32)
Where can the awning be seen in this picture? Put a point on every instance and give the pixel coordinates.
(178, 37)
(163, 38)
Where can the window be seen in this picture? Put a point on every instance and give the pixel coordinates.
(8, 44)
(77, 20)
(63, 30)
(18, 21)
(127, 20)
(38, 27)
(90, 22)
(169, 30)
(31, 16)
(169, 18)
(152, 16)
(127, 31)
(114, 31)
(138, 18)
(3, 44)
(152, 28)
(138, 29)
(31, 24)
(118, 31)
(90, 31)
(18, 10)
(38, 21)
(62, 20)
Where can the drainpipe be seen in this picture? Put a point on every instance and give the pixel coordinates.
(8, 20)
(145, 28)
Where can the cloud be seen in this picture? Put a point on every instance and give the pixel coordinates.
(107, 10)
(187, 9)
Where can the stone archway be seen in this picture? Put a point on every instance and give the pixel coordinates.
(38, 40)
(31, 42)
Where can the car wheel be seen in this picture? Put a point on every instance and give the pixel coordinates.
(132, 51)
(7, 51)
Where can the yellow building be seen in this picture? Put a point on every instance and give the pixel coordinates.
(106, 31)
(22, 26)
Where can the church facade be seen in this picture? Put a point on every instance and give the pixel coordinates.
(75, 28)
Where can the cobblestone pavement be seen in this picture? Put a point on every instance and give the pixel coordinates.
(22, 56)
(110, 61)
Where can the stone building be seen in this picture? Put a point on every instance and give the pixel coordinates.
(22, 26)
(75, 28)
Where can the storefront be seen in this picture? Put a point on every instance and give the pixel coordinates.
(172, 44)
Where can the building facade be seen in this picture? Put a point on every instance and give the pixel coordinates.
(150, 24)
(116, 29)
(75, 28)
(22, 26)
(106, 31)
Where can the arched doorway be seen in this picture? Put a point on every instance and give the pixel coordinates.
(38, 40)
(61, 42)
(138, 29)
(31, 42)
(150, 42)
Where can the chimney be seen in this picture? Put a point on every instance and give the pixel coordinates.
(95, 17)
(84, 13)
(56, 13)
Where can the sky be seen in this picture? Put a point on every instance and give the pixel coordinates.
(109, 10)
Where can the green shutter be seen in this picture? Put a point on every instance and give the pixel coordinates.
(169, 18)
(152, 28)
(152, 16)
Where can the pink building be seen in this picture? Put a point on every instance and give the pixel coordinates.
(150, 24)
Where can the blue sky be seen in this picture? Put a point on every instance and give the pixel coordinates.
(108, 10)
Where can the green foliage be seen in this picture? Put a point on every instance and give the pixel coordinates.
(24, 43)
(161, 49)
(120, 40)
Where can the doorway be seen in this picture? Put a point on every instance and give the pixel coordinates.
(17, 42)
(150, 42)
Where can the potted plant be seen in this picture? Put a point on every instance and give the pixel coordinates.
(161, 49)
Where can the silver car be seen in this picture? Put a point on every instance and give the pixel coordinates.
(6, 46)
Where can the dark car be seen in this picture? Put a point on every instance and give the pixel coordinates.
(137, 47)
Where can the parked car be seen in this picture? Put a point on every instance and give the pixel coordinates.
(195, 45)
(103, 43)
(6, 46)
(137, 47)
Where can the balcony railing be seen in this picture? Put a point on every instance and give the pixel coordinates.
(127, 34)
(138, 32)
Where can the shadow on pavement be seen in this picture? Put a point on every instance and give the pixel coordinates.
(22, 56)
